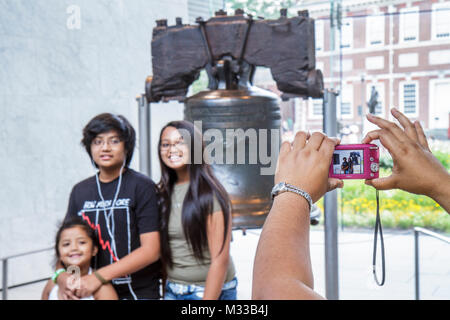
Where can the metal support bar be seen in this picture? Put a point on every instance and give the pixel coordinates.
(416, 264)
(5, 270)
(330, 207)
(144, 135)
(435, 235)
(5, 279)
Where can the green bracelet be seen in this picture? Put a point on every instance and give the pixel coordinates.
(100, 278)
(56, 274)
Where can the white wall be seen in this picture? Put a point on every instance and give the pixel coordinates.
(53, 80)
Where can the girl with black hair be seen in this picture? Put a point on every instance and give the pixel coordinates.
(120, 205)
(76, 245)
(195, 220)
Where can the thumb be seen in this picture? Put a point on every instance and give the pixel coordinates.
(382, 183)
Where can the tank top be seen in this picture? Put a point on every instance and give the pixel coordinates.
(186, 268)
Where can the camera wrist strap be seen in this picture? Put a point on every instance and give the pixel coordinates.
(378, 226)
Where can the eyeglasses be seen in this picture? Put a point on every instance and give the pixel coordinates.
(112, 142)
(166, 146)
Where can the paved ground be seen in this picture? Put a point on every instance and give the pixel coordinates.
(355, 265)
(355, 270)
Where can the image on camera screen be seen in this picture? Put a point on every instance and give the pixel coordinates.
(348, 162)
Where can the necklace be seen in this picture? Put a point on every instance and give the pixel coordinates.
(178, 203)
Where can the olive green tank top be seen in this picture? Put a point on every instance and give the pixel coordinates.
(186, 268)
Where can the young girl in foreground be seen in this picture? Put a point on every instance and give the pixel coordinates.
(76, 245)
(196, 221)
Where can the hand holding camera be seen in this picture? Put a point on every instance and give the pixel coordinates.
(415, 168)
(310, 155)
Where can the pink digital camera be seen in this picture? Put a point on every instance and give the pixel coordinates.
(355, 161)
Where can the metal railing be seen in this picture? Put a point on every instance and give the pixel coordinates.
(5, 271)
(417, 231)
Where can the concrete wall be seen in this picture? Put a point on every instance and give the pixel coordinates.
(61, 63)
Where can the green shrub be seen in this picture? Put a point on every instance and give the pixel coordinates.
(443, 157)
(398, 209)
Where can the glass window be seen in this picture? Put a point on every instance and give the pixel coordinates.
(347, 34)
(441, 21)
(409, 24)
(409, 95)
(347, 101)
(317, 107)
(439, 91)
(318, 28)
(375, 30)
(346, 108)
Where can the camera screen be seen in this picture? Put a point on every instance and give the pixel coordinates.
(348, 162)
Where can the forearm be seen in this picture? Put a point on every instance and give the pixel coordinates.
(47, 289)
(135, 261)
(444, 201)
(284, 240)
(441, 194)
(106, 292)
(215, 280)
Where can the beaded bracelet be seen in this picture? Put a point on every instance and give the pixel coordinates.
(56, 274)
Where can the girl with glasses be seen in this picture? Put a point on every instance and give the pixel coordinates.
(195, 220)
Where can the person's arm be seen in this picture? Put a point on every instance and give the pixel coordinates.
(282, 267)
(147, 253)
(415, 169)
(46, 292)
(219, 259)
(106, 292)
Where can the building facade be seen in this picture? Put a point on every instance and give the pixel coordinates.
(399, 48)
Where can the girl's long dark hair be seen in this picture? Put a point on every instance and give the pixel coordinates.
(198, 203)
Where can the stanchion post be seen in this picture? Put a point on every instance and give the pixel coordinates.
(144, 135)
(416, 264)
(5, 279)
(330, 207)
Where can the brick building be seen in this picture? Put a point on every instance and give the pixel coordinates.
(401, 48)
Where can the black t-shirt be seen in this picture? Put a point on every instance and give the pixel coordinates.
(135, 212)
